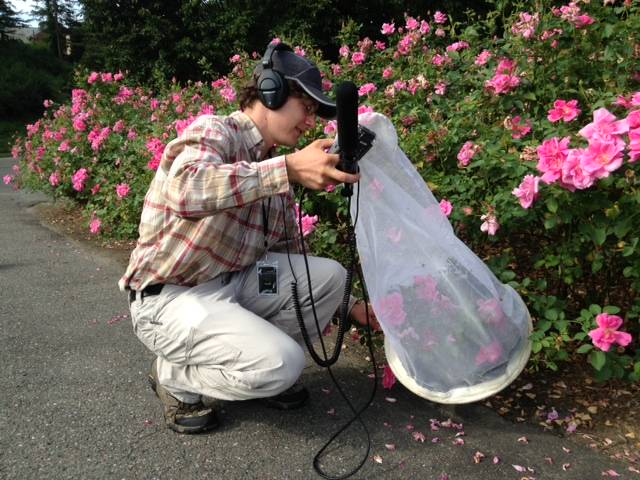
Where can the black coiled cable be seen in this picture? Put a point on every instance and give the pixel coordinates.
(343, 322)
(342, 327)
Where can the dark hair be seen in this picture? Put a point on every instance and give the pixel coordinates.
(249, 93)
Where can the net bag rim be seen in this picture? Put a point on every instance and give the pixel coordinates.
(462, 395)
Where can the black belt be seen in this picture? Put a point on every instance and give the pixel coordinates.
(147, 291)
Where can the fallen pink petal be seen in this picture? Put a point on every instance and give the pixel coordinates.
(390, 446)
(390, 399)
(496, 460)
(377, 458)
(478, 457)
(523, 440)
(610, 473)
(388, 378)
(418, 436)
(566, 466)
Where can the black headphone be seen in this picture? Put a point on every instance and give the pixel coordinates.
(273, 88)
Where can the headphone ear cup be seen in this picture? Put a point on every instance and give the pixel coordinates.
(273, 89)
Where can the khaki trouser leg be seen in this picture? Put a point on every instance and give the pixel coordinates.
(221, 339)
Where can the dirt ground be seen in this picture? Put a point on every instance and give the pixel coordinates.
(606, 417)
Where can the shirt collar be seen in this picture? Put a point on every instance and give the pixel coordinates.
(250, 133)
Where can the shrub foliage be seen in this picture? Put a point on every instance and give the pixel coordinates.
(525, 123)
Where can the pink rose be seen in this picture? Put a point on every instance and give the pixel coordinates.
(445, 207)
(527, 192)
(367, 89)
(391, 309)
(122, 190)
(490, 224)
(563, 110)
(95, 225)
(388, 28)
(93, 77)
(489, 354)
(466, 153)
(439, 17)
(607, 333)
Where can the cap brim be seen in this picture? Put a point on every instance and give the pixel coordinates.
(326, 107)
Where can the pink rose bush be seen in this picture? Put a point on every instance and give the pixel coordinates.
(533, 133)
(580, 168)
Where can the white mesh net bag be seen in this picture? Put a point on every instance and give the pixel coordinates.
(453, 332)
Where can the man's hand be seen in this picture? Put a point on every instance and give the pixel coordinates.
(358, 314)
(314, 168)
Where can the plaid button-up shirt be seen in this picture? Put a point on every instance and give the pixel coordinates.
(203, 213)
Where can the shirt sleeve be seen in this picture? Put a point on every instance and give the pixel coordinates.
(206, 174)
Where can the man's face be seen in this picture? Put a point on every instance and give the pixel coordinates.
(289, 122)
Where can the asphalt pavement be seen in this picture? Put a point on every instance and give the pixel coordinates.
(74, 402)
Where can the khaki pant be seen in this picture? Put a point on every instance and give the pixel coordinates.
(223, 340)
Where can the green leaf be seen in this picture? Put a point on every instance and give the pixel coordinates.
(536, 347)
(552, 205)
(543, 326)
(622, 228)
(599, 235)
(561, 325)
(597, 265)
(551, 314)
(584, 348)
(611, 309)
(597, 359)
(595, 309)
(550, 222)
(603, 375)
(608, 30)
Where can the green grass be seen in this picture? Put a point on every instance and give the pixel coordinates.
(7, 129)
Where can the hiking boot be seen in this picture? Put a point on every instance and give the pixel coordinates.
(293, 397)
(179, 416)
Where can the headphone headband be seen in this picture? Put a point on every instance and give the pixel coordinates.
(267, 58)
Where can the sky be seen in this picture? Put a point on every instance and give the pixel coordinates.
(24, 6)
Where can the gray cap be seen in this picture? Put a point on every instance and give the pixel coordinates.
(305, 73)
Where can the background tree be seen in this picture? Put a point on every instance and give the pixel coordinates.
(57, 18)
(193, 39)
(8, 19)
